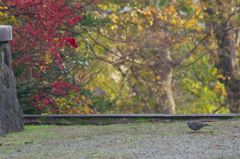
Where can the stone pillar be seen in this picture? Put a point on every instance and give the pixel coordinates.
(11, 114)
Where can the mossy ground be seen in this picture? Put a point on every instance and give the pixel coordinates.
(133, 140)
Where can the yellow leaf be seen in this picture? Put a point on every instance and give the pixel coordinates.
(114, 20)
(42, 68)
(158, 78)
(113, 27)
(205, 88)
(86, 110)
(105, 7)
(220, 76)
(149, 12)
(151, 22)
(197, 12)
(161, 17)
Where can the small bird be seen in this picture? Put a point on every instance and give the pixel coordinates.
(196, 125)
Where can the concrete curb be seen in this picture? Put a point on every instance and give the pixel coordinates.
(161, 116)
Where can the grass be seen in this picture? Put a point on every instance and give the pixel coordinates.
(142, 119)
(145, 140)
(38, 129)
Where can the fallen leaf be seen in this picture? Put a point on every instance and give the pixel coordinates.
(28, 142)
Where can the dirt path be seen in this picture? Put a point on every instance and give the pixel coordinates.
(134, 140)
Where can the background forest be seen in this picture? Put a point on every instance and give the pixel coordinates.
(128, 56)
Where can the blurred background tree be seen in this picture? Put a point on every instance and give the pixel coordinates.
(143, 56)
(50, 68)
(168, 53)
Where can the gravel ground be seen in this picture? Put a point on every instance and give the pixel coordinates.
(133, 140)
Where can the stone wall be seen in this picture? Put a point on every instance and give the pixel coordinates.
(11, 114)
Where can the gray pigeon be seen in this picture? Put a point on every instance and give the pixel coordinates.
(196, 125)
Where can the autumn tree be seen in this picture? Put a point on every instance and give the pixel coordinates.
(44, 51)
(152, 44)
(223, 21)
(145, 50)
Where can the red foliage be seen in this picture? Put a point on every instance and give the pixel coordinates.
(40, 25)
(96, 2)
(43, 27)
(72, 41)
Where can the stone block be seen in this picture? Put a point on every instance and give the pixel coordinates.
(5, 33)
(11, 114)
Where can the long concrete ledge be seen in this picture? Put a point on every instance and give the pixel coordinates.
(5, 33)
(163, 116)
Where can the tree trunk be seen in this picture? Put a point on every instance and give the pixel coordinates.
(163, 77)
(227, 42)
(230, 68)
